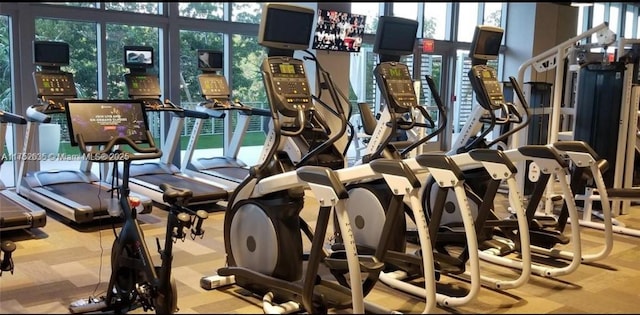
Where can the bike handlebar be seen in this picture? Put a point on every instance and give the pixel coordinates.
(105, 154)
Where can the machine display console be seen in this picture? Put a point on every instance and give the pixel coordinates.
(100, 121)
(488, 82)
(54, 84)
(213, 85)
(142, 85)
(287, 84)
(398, 84)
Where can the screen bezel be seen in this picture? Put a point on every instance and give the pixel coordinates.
(266, 9)
(322, 12)
(383, 22)
(477, 34)
(211, 52)
(72, 134)
(135, 65)
(48, 45)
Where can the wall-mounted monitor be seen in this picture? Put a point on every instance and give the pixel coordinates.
(285, 26)
(486, 42)
(99, 121)
(395, 36)
(339, 31)
(50, 53)
(138, 57)
(210, 60)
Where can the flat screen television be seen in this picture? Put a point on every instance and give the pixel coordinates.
(395, 36)
(339, 31)
(285, 26)
(486, 42)
(210, 60)
(50, 53)
(99, 121)
(138, 57)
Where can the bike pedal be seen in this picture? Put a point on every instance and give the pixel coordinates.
(216, 281)
(87, 305)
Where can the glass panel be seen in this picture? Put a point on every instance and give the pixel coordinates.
(492, 13)
(137, 7)
(363, 89)
(202, 10)
(6, 93)
(464, 99)
(6, 100)
(190, 95)
(246, 12)
(407, 10)
(579, 30)
(598, 18)
(467, 21)
(118, 36)
(371, 10)
(614, 17)
(628, 23)
(76, 4)
(83, 63)
(435, 19)
(247, 87)
(431, 65)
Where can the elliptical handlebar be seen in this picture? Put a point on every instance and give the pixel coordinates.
(106, 154)
(339, 111)
(522, 122)
(442, 111)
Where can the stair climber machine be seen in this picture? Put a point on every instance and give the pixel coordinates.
(147, 177)
(16, 212)
(263, 228)
(74, 194)
(499, 236)
(227, 170)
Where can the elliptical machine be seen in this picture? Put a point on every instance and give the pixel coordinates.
(545, 232)
(373, 199)
(135, 280)
(262, 228)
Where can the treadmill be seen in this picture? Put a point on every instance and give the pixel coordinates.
(146, 177)
(227, 170)
(77, 195)
(16, 212)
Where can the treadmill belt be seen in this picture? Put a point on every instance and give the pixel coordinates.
(85, 194)
(234, 173)
(201, 191)
(12, 214)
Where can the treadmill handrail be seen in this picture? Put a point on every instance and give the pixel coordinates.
(11, 118)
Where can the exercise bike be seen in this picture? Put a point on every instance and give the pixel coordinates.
(135, 280)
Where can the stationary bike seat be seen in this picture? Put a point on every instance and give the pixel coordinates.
(171, 193)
